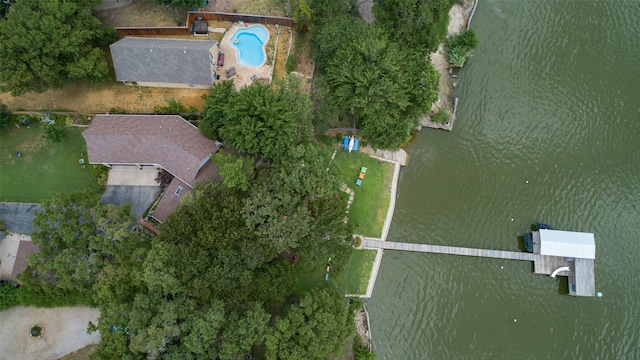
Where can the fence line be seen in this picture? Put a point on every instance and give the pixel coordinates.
(204, 15)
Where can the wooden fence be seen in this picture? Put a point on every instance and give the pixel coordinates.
(213, 16)
(254, 19)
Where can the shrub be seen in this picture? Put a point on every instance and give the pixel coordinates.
(441, 117)
(173, 107)
(101, 173)
(54, 133)
(164, 178)
(291, 63)
(117, 110)
(361, 351)
(357, 241)
(27, 120)
(459, 47)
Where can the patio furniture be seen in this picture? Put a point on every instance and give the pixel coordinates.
(361, 176)
(230, 71)
(363, 170)
(359, 182)
(254, 78)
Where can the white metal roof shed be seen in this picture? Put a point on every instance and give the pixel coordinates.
(567, 244)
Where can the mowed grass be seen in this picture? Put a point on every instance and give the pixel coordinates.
(44, 167)
(352, 280)
(371, 200)
(355, 277)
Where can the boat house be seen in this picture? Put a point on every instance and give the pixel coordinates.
(567, 253)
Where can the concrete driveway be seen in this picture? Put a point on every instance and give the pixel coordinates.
(140, 197)
(132, 185)
(18, 217)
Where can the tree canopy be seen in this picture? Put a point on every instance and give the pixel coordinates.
(312, 329)
(376, 84)
(45, 44)
(414, 24)
(258, 119)
(77, 235)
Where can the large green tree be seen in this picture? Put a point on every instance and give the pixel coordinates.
(413, 23)
(259, 119)
(77, 236)
(380, 87)
(315, 328)
(45, 44)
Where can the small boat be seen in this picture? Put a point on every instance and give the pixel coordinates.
(543, 226)
(350, 147)
(355, 144)
(345, 142)
(528, 242)
(528, 237)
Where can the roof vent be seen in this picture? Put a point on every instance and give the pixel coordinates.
(185, 49)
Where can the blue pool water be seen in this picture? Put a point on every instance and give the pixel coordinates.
(249, 44)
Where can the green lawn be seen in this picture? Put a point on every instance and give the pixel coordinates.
(371, 201)
(44, 167)
(355, 277)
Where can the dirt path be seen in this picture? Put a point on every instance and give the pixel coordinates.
(65, 331)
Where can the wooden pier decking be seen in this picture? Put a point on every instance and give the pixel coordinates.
(452, 250)
(581, 274)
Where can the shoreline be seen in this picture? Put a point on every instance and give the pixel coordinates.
(459, 19)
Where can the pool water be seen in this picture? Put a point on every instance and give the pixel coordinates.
(249, 45)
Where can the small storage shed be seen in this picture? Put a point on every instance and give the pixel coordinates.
(200, 27)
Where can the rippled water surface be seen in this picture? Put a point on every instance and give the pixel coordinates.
(552, 98)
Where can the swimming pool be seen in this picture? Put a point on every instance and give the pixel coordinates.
(249, 44)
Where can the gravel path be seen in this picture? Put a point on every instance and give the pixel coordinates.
(65, 331)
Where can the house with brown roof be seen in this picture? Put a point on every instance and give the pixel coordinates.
(162, 141)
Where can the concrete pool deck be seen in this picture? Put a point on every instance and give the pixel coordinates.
(243, 73)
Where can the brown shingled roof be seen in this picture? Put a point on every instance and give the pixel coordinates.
(167, 141)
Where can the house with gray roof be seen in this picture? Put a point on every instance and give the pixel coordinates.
(161, 141)
(165, 62)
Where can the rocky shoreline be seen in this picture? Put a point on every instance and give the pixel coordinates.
(459, 17)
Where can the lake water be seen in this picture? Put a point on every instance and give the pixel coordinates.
(552, 98)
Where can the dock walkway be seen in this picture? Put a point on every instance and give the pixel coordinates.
(452, 250)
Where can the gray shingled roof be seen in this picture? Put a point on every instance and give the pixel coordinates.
(165, 140)
(162, 60)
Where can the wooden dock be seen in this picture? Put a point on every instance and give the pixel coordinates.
(452, 250)
(580, 272)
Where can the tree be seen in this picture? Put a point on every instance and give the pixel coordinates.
(301, 13)
(380, 87)
(259, 119)
(235, 170)
(340, 31)
(76, 235)
(460, 46)
(45, 44)
(5, 118)
(315, 328)
(413, 23)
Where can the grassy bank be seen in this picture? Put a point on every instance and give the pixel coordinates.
(43, 167)
(355, 277)
(371, 200)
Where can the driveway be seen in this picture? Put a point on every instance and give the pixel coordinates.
(65, 331)
(18, 217)
(132, 185)
(140, 197)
